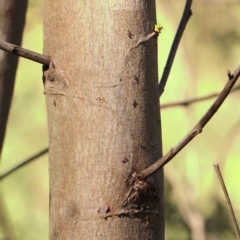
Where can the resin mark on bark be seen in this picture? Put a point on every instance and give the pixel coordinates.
(142, 194)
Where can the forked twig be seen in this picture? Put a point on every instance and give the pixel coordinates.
(185, 17)
(44, 151)
(186, 103)
(229, 204)
(196, 129)
(22, 52)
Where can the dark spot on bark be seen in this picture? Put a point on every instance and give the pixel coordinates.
(9, 13)
(143, 147)
(55, 232)
(108, 209)
(120, 79)
(125, 160)
(130, 35)
(136, 79)
(54, 103)
(72, 211)
(135, 104)
(103, 210)
(148, 148)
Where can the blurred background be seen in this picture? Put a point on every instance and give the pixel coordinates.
(195, 205)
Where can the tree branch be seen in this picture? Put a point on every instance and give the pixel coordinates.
(12, 21)
(186, 103)
(16, 50)
(185, 17)
(44, 151)
(229, 204)
(197, 128)
(12, 18)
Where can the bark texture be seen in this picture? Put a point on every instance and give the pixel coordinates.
(12, 20)
(103, 114)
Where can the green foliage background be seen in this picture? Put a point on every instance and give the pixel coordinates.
(209, 48)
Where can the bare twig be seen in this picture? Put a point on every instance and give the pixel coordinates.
(218, 171)
(196, 129)
(44, 151)
(186, 103)
(16, 50)
(185, 17)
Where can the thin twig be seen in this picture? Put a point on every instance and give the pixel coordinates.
(16, 50)
(196, 130)
(185, 17)
(229, 204)
(44, 151)
(186, 103)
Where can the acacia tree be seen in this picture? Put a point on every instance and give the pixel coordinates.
(100, 82)
(103, 114)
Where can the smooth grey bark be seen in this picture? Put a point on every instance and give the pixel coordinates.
(103, 117)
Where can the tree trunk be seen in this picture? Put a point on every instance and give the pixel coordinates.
(12, 21)
(103, 115)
